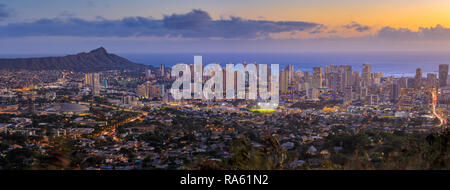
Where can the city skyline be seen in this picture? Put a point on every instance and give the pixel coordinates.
(225, 86)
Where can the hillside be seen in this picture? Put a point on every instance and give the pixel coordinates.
(96, 60)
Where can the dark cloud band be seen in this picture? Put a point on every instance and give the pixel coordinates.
(436, 33)
(195, 24)
(4, 13)
(358, 27)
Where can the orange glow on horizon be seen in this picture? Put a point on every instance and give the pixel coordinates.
(410, 14)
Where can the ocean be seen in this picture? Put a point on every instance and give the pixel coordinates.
(392, 64)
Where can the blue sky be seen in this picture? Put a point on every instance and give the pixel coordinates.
(65, 26)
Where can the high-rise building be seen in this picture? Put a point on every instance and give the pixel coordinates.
(376, 77)
(443, 75)
(131, 101)
(149, 91)
(372, 100)
(418, 78)
(403, 82)
(307, 77)
(334, 81)
(431, 80)
(96, 84)
(88, 78)
(105, 83)
(312, 93)
(143, 90)
(395, 92)
(356, 79)
(290, 73)
(348, 94)
(317, 77)
(346, 75)
(224, 81)
(156, 91)
(298, 75)
(92, 80)
(366, 75)
(364, 92)
(284, 79)
(148, 73)
(162, 70)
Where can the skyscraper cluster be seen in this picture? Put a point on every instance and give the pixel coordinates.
(92, 80)
(337, 78)
(147, 90)
(443, 75)
(370, 87)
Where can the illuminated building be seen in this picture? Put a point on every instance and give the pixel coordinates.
(443, 75)
(365, 75)
(418, 78)
(317, 77)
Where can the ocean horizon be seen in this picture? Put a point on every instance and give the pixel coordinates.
(391, 63)
(399, 64)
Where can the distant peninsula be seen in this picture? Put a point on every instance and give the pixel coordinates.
(95, 60)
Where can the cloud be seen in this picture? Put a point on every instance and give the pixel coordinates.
(189, 21)
(4, 13)
(332, 32)
(397, 34)
(356, 26)
(198, 24)
(67, 13)
(194, 24)
(437, 33)
(319, 29)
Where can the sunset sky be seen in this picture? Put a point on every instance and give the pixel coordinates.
(61, 26)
